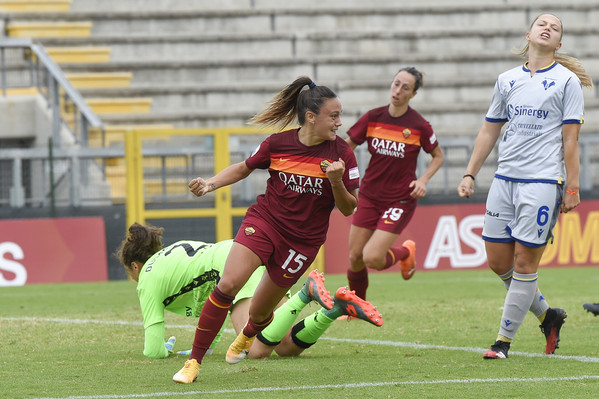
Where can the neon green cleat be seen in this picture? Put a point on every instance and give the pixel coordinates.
(189, 373)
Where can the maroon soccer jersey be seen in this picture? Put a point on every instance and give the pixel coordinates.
(299, 199)
(394, 144)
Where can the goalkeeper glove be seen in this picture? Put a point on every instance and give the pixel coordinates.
(169, 344)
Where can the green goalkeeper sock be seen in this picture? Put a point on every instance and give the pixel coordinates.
(284, 318)
(313, 326)
(334, 313)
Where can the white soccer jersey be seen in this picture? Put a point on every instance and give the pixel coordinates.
(535, 108)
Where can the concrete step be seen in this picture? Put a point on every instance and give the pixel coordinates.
(37, 29)
(36, 6)
(171, 96)
(188, 47)
(157, 5)
(306, 19)
(171, 5)
(81, 54)
(127, 107)
(324, 69)
(261, 45)
(363, 93)
(447, 119)
(21, 91)
(103, 106)
(100, 80)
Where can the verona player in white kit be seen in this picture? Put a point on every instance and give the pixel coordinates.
(537, 174)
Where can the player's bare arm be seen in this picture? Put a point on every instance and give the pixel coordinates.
(570, 134)
(419, 186)
(485, 141)
(227, 176)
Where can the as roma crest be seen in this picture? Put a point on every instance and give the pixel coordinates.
(407, 133)
(324, 164)
(248, 231)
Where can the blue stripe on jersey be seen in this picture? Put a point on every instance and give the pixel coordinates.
(570, 121)
(527, 180)
(495, 120)
(525, 68)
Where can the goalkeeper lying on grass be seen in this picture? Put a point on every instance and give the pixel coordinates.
(180, 278)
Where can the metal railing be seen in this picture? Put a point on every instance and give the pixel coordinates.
(80, 176)
(25, 64)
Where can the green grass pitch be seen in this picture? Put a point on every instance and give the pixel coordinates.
(85, 341)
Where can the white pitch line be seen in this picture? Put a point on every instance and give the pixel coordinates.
(584, 359)
(336, 386)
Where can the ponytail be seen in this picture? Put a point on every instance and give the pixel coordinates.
(293, 102)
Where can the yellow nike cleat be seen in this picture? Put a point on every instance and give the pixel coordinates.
(189, 373)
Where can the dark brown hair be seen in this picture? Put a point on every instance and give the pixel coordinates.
(293, 102)
(141, 243)
(417, 74)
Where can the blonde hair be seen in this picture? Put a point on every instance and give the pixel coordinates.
(572, 63)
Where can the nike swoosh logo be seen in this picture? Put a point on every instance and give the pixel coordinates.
(283, 160)
(203, 329)
(388, 222)
(286, 276)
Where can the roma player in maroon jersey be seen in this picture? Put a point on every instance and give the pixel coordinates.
(389, 190)
(311, 171)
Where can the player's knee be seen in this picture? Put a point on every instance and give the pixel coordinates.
(374, 260)
(355, 258)
(229, 287)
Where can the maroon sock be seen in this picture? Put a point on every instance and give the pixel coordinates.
(394, 254)
(252, 329)
(358, 281)
(211, 320)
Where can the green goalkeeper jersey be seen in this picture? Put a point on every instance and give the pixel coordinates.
(179, 278)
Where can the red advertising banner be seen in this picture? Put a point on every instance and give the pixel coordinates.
(52, 250)
(449, 237)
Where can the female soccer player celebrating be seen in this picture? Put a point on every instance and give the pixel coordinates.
(311, 171)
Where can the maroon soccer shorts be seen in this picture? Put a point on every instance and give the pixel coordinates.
(391, 217)
(286, 260)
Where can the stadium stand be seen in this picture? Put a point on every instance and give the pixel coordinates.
(197, 63)
(215, 63)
